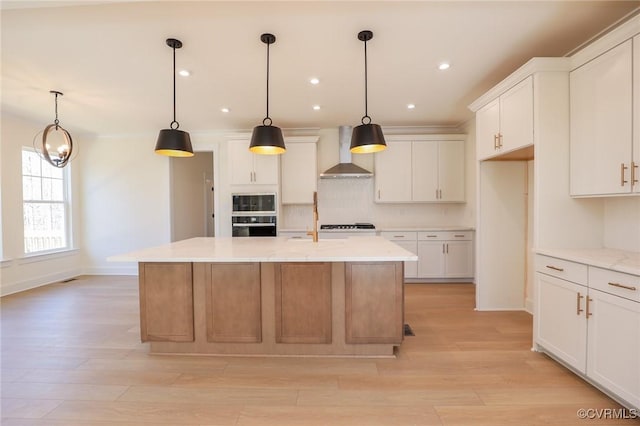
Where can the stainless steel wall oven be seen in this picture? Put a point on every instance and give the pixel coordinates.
(254, 215)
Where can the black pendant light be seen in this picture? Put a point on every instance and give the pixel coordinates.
(267, 139)
(55, 150)
(173, 142)
(366, 137)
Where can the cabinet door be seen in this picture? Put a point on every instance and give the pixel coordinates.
(600, 122)
(424, 173)
(240, 163)
(393, 173)
(265, 169)
(410, 268)
(636, 116)
(299, 173)
(614, 344)
(451, 170)
(516, 116)
(560, 319)
(487, 129)
(459, 259)
(431, 259)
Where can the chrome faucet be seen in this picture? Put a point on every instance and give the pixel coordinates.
(314, 233)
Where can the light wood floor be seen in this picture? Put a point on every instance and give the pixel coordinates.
(71, 356)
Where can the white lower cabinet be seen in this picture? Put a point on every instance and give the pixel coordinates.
(595, 332)
(441, 254)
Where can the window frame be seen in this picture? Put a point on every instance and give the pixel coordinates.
(65, 203)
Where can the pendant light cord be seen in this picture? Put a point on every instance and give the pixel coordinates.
(366, 100)
(267, 117)
(56, 121)
(174, 90)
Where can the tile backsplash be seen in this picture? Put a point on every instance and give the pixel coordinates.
(352, 200)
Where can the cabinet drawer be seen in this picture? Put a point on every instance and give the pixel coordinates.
(616, 283)
(432, 236)
(399, 235)
(444, 235)
(570, 271)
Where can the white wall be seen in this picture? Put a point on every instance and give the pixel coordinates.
(352, 200)
(125, 193)
(17, 271)
(622, 223)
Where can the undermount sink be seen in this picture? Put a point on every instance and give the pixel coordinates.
(321, 240)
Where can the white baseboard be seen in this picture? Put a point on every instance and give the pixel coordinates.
(10, 288)
(112, 270)
(528, 305)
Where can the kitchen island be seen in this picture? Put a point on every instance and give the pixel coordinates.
(272, 296)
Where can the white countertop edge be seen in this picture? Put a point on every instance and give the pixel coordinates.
(262, 259)
(614, 259)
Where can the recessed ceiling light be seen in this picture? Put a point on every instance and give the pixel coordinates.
(444, 66)
(316, 107)
(225, 109)
(314, 80)
(411, 106)
(184, 73)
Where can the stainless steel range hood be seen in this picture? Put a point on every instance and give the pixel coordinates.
(345, 169)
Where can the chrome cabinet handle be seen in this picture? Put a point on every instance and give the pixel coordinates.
(555, 268)
(628, 287)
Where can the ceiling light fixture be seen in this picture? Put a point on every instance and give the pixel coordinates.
(56, 152)
(366, 137)
(411, 106)
(314, 81)
(267, 139)
(443, 66)
(173, 142)
(184, 73)
(225, 110)
(316, 107)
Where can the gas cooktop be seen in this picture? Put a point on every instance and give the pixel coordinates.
(350, 227)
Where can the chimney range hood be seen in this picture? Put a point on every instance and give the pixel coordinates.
(345, 169)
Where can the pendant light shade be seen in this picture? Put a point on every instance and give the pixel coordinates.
(267, 139)
(367, 137)
(173, 142)
(56, 146)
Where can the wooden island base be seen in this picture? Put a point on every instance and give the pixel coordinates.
(267, 308)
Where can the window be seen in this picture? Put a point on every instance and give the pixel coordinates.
(45, 204)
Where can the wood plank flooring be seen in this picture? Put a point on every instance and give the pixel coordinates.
(71, 355)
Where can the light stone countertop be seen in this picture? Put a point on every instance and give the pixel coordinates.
(613, 259)
(271, 249)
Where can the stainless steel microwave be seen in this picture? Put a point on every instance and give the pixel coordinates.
(254, 215)
(254, 203)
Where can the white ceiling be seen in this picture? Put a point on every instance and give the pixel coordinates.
(111, 61)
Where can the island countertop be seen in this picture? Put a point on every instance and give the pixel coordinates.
(271, 249)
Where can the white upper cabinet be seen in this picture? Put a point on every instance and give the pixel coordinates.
(393, 173)
(506, 123)
(601, 147)
(247, 168)
(427, 170)
(299, 173)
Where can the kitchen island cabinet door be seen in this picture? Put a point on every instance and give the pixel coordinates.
(560, 320)
(601, 124)
(374, 302)
(393, 173)
(613, 354)
(166, 302)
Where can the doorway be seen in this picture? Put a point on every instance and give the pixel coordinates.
(192, 196)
